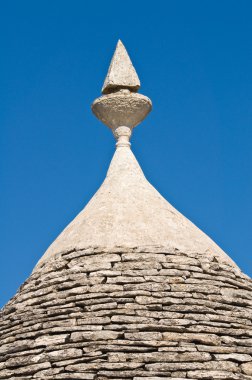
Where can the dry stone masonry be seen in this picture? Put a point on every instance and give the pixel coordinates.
(131, 289)
(129, 314)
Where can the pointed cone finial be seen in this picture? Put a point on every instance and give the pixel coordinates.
(120, 107)
(121, 73)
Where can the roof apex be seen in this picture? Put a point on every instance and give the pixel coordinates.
(127, 211)
(121, 72)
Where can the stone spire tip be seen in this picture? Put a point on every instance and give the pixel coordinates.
(121, 73)
(120, 107)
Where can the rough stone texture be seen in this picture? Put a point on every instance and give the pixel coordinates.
(131, 290)
(122, 108)
(128, 211)
(98, 314)
(121, 73)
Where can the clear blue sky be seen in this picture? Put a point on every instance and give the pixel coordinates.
(194, 59)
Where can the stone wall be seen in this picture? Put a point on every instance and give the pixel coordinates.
(142, 314)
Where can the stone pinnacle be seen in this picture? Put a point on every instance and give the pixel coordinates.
(121, 73)
(120, 107)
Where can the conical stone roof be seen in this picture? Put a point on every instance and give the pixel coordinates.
(131, 289)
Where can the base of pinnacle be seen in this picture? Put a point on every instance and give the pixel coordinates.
(122, 109)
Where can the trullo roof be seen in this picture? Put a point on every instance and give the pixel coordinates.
(131, 289)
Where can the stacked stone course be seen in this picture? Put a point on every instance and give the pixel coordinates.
(129, 314)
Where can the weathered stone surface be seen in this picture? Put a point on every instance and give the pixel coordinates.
(188, 337)
(234, 357)
(126, 329)
(247, 368)
(102, 365)
(72, 376)
(209, 365)
(131, 289)
(213, 375)
(93, 336)
(160, 357)
(121, 72)
(143, 336)
(47, 373)
(64, 354)
(46, 340)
